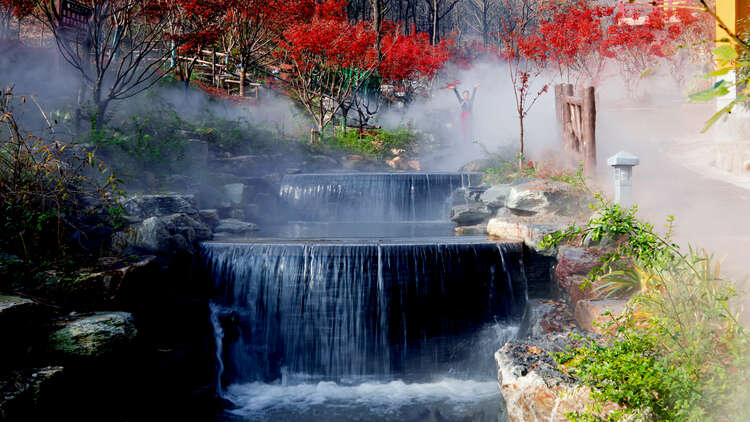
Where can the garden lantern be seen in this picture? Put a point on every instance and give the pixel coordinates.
(623, 163)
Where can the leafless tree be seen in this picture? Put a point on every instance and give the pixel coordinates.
(119, 51)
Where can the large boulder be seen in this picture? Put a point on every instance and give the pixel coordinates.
(107, 287)
(175, 233)
(573, 264)
(93, 336)
(145, 206)
(539, 196)
(20, 320)
(531, 230)
(469, 215)
(494, 197)
(533, 386)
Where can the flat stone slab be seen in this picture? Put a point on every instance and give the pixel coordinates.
(531, 230)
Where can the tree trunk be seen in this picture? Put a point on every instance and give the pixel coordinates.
(243, 73)
(434, 21)
(520, 154)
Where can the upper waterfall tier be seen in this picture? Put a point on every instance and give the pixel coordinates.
(373, 197)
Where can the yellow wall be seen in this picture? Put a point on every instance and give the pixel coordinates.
(734, 14)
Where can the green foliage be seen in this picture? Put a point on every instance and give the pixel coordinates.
(727, 60)
(373, 143)
(633, 377)
(49, 195)
(679, 352)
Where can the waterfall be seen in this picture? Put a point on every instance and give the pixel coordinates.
(373, 197)
(356, 311)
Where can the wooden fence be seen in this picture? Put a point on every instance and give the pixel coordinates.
(576, 118)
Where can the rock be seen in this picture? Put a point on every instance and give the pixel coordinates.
(236, 214)
(24, 394)
(572, 260)
(531, 230)
(209, 217)
(20, 321)
(541, 197)
(233, 226)
(152, 235)
(534, 388)
(469, 215)
(398, 163)
(145, 206)
(104, 288)
(93, 336)
(588, 313)
(476, 230)
(242, 164)
(494, 197)
(544, 317)
(572, 264)
(476, 166)
(414, 165)
(15, 306)
(169, 234)
(234, 192)
(576, 293)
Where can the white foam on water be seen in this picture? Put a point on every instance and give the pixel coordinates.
(377, 397)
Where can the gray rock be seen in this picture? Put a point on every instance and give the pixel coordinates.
(24, 393)
(469, 215)
(236, 214)
(233, 226)
(533, 386)
(209, 217)
(494, 197)
(477, 165)
(93, 336)
(234, 192)
(541, 197)
(171, 233)
(14, 305)
(145, 206)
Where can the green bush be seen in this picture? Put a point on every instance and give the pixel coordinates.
(680, 352)
(54, 202)
(374, 144)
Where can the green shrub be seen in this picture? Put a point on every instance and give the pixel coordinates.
(680, 352)
(374, 144)
(54, 202)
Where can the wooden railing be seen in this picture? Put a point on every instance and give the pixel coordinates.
(576, 117)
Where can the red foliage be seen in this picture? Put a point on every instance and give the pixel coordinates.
(410, 56)
(19, 8)
(570, 39)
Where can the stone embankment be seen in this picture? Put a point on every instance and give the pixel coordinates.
(533, 385)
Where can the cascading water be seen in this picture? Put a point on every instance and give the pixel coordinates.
(373, 197)
(377, 328)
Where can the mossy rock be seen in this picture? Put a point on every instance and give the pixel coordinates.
(93, 336)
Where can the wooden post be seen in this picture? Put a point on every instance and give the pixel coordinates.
(213, 67)
(559, 109)
(566, 91)
(588, 128)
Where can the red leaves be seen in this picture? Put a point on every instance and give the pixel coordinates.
(410, 56)
(19, 8)
(328, 43)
